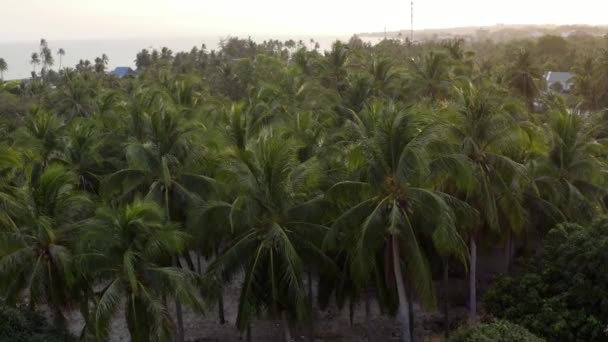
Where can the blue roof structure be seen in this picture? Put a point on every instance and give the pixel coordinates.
(123, 71)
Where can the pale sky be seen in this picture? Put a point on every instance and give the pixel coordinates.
(85, 19)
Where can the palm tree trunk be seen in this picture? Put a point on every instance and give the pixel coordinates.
(311, 331)
(473, 281)
(446, 303)
(220, 299)
(249, 332)
(84, 310)
(410, 307)
(198, 263)
(178, 313)
(403, 305)
(189, 262)
(174, 261)
(286, 327)
(220, 307)
(508, 251)
(58, 318)
(351, 311)
(368, 317)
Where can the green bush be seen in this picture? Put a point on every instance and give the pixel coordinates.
(500, 331)
(18, 325)
(563, 295)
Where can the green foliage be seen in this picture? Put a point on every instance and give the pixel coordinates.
(366, 167)
(561, 296)
(23, 325)
(499, 331)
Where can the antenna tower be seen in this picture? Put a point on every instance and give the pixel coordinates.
(412, 23)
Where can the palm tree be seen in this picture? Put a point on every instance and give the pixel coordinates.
(41, 135)
(276, 231)
(46, 57)
(82, 154)
(37, 251)
(523, 77)
(384, 75)
(335, 66)
(3, 68)
(127, 246)
(483, 131)
(394, 205)
(101, 63)
(157, 168)
(61, 53)
(455, 48)
(586, 86)
(35, 60)
(430, 76)
(570, 176)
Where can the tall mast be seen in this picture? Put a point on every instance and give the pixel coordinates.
(412, 22)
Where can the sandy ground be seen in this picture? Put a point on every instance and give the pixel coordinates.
(332, 325)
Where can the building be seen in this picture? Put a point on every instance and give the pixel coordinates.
(559, 81)
(121, 72)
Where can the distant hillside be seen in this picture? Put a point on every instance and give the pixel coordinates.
(496, 32)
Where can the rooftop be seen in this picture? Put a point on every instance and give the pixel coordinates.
(123, 71)
(558, 76)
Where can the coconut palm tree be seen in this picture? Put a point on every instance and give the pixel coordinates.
(276, 230)
(384, 76)
(483, 131)
(127, 246)
(34, 61)
(523, 76)
(157, 168)
(41, 135)
(61, 53)
(3, 68)
(36, 258)
(335, 66)
(430, 75)
(586, 86)
(393, 207)
(570, 177)
(82, 154)
(101, 63)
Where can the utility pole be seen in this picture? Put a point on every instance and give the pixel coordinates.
(412, 23)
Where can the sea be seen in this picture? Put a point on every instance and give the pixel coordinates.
(122, 52)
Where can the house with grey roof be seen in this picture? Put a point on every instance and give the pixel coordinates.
(561, 81)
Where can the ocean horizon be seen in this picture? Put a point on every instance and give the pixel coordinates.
(122, 52)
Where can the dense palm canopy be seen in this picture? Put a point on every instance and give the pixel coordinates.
(306, 179)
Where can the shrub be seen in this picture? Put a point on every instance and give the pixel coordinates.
(499, 331)
(563, 295)
(18, 325)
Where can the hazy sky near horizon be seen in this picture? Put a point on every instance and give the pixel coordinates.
(86, 19)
